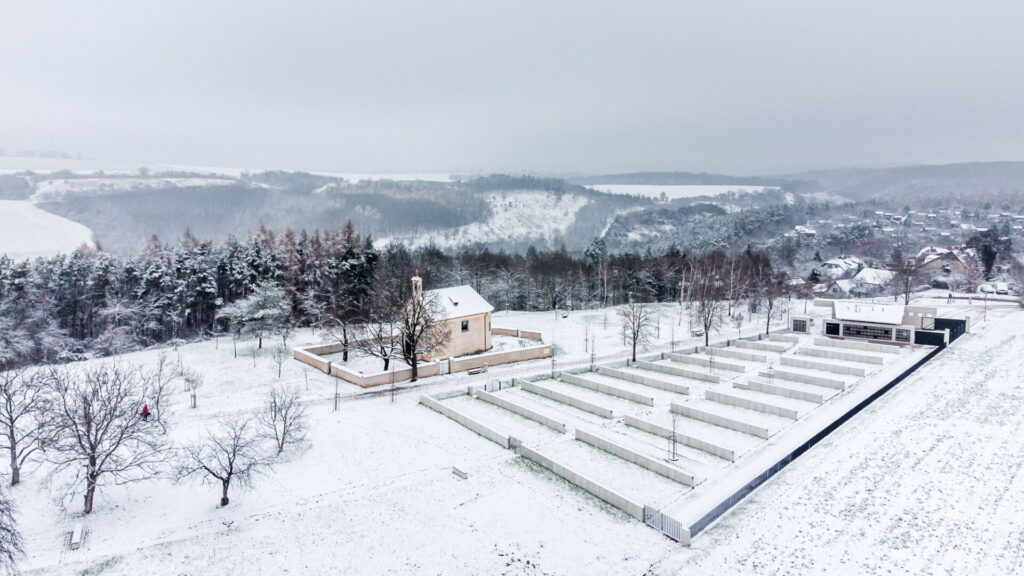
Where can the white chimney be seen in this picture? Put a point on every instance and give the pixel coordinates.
(417, 285)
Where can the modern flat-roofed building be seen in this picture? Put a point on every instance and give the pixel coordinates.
(894, 323)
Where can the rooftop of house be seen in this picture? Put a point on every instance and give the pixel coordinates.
(460, 301)
(874, 313)
(874, 276)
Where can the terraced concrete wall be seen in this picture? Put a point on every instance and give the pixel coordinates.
(756, 405)
(764, 346)
(784, 338)
(841, 355)
(489, 433)
(822, 365)
(643, 380)
(804, 378)
(566, 399)
(777, 390)
(723, 421)
(520, 409)
(656, 466)
(607, 494)
(603, 388)
(684, 439)
(676, 371)
(707, 363)
(730, 353)
(855, 345)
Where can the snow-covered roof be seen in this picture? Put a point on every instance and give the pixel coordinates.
(875, 313)
(927, 250)
(874, 276)
(460, 301)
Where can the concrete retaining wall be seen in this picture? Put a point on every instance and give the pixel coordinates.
(784, 338)
(643, 380)
(763, 346)
(676, 371)
(856, 345)
(737, 354)
(490, 434)
(527, 334)
(841, 355)
(684, 439)
(777, 390)
(804, 378)
(617, 500)
(707, 363)
(307, 357)
(499, 358)
(755, 405)
(723, 421)
(566, 399)
(656, 466)
(520, 410)
(822, 365)
(603, 388)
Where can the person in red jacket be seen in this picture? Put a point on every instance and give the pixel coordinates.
(145, 411)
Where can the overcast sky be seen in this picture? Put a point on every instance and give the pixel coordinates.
(545, 86)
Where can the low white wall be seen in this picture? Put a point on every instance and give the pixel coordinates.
(822, 365)
(836, 354)
(855, 345)
(311, 359)
(707, 363)
(520, 410)
(755, 405)
(777, 390)
(784, 338)
(804, 378)
(566, 399)
(764, 346)
(684, 439)
(654, 465)
(490, 434)
(603, 388)
(615, 499)
(676, 371)
(723, 421)
(643, 380)
(730, 353)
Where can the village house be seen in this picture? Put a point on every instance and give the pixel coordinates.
(936, 260)
(467, 315)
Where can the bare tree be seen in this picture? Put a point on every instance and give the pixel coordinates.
(423, 329)
(100, 425)
(10, 538)
(705, 295)
(770, 287)
(23, 402)
(637, 324)
(283, 418)
(280, 355)
(381, 337)
(905, 274)
(228, 454)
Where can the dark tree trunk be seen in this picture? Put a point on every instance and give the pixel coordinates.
(415, 369)
(224, 495)
(15, 469)
(90, 488)
(261, 342)
(387, 362)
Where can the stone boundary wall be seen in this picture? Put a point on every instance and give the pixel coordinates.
(723, 421)
(566, 399)
(841, 355)
(520, 410)
(675, 371)
(784, 391)
(498, 358)
(736, 354)
(763, 346)
(606, 494)
(706, 363)
(856, 345)
(755, 405)
(518, 333)
(804, 379)
(652, 464)
(582, 382)
(643, 380)
(311, 359)
(489, 433)
(822, 366)
(684, 439)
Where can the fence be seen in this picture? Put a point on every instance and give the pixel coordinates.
(667, 526)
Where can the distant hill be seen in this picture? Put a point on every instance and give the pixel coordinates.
(698, 179)
(922, 181)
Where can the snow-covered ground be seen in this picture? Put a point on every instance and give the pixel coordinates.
(58, 188)
(514, 217)
(673, 192)
(926, 480)
(29, 232)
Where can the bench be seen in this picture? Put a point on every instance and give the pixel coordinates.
(76, 536)
(480, 370)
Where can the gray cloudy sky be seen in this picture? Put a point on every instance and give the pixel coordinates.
(514, 85)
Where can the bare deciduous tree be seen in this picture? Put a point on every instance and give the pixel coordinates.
(10, 538)
(637, 325)
(283, 418)
(280, 355)
(23, 402)
(905, 274)
(705, 295)
(380, 337)
(99, 425)
(422, 328)
(227, 455)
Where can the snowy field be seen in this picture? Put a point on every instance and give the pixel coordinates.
(672, 192)
(28, 232)
(927, 480)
